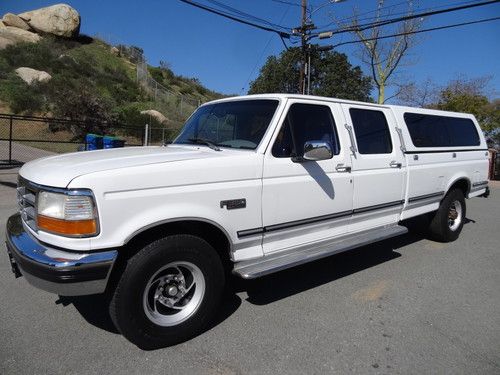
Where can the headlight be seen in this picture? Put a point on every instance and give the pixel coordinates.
(68, 215)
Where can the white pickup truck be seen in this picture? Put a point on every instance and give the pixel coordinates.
(252, 185)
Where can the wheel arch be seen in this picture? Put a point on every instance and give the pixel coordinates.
(463, 183)
(208, 230)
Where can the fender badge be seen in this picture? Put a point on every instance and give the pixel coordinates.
(234, 204)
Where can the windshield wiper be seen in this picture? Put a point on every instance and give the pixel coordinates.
(230, 146)
(206, 142)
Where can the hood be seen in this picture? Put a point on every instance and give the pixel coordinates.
(59, 170)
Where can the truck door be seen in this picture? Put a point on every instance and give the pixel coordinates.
(306, 201)
(378, 166)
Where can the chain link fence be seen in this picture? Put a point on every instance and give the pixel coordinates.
(25, 138)
(163, 97)
(166, 101)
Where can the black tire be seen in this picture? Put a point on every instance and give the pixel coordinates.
(127, 305)
(439, 228)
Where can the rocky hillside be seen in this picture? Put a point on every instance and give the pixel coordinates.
(47, 68)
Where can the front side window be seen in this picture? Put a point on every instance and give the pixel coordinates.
(305, 122)
(239, 124)
(371, 130)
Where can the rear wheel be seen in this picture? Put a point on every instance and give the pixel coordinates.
(448, 221)
(169, 292)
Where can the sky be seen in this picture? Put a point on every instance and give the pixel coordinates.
(226, 56)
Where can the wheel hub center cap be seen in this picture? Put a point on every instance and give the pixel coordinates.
(172, 290)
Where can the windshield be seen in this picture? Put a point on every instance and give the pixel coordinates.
(237, 124)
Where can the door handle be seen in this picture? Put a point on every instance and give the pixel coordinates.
(395, 164)
(342, 168)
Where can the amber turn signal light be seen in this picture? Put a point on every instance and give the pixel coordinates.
(67, 227)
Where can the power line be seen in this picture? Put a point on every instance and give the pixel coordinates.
(419, 31)
(286, 2)
(344, 20)
(422, 9)
(264, 51)
(245, 15)
(406, 18)
(282, 34)
(373, 11)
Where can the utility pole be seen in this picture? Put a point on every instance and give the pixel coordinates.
(303, 37)
(304, 30)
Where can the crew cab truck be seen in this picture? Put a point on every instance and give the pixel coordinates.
(252, 185)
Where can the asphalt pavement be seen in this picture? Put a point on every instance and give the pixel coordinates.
(404, 306)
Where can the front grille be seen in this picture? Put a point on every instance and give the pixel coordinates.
(26, 198)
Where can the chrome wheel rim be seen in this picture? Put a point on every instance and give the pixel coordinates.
(174, 293)
(455, 215)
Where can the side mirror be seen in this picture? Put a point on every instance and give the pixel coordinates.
(317, 150)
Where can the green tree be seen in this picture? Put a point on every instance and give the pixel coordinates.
(331, 75)
(468, 95)
(79, 101)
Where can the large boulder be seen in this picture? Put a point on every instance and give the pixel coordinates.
(11, 35)
(158, 116)
(10, 19)
(30, 75)
(60, 19)
(5, 42)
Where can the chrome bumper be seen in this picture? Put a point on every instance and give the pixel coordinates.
(67, 273)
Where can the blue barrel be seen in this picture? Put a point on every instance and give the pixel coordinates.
(107, 141)
(112, 142)
(93, 142)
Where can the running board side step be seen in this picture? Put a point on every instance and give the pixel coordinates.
(253, 268)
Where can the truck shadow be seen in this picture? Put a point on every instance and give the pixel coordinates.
(323, 271)
(285, 284)
(311, 275)
(94, 309)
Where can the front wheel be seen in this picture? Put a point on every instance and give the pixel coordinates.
(169, 292)
(448, 221)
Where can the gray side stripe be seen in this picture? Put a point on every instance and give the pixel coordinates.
(426, 196)
(475, 184)
(317, 219)
(377, 207)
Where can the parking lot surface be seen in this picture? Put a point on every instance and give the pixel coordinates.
(405, 306)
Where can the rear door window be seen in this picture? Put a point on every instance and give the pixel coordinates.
(371, 131)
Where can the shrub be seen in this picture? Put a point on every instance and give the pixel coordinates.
(90, 83)
(21, 97)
